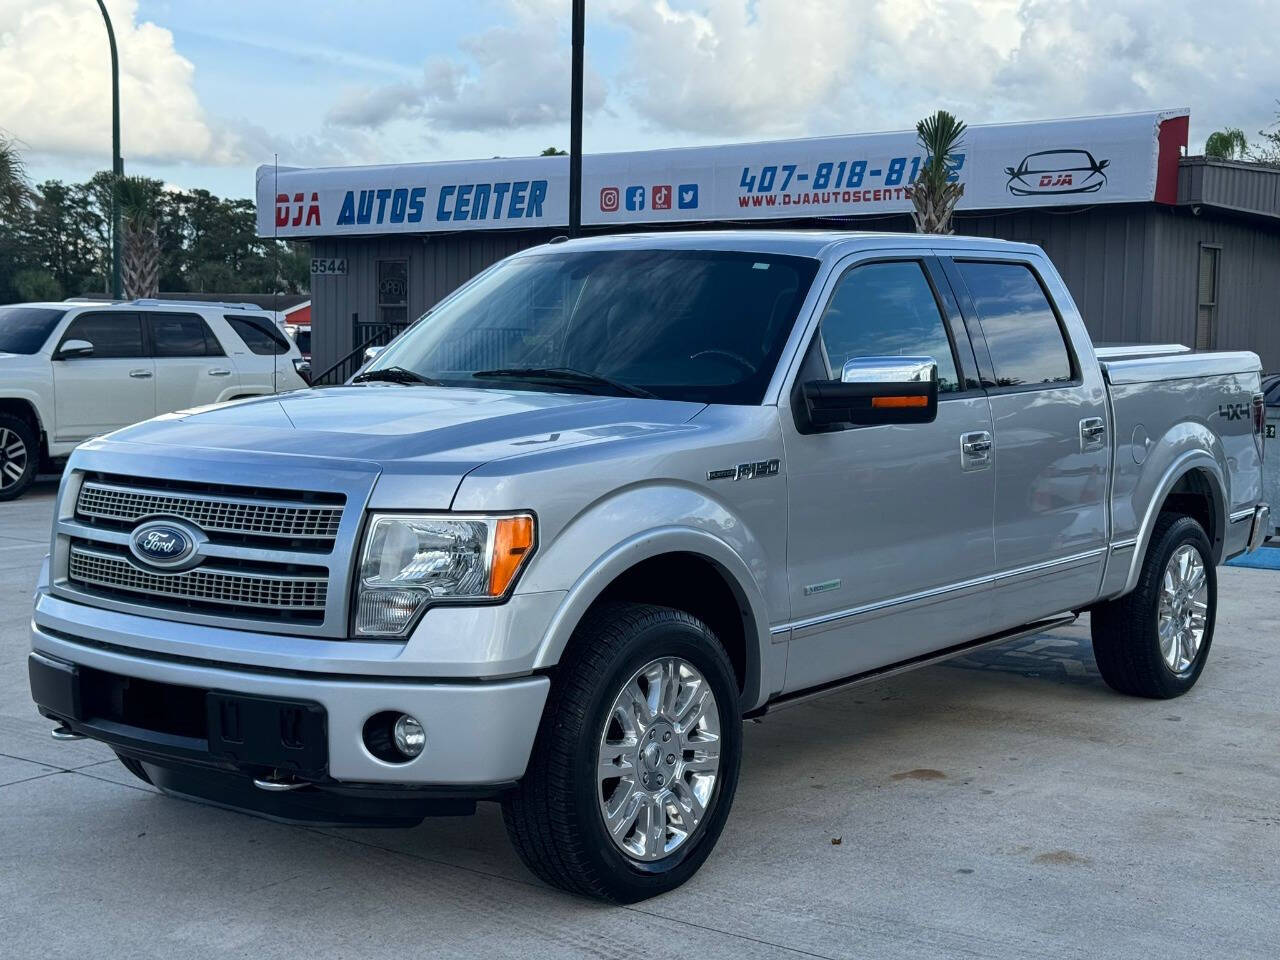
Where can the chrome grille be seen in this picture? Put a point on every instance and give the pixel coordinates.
(206, 585)
(212, 513)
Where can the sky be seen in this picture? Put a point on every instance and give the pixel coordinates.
(210, 90)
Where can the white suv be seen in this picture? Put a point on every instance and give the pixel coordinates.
(74, 370)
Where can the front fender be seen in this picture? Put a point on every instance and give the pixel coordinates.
(676, 519)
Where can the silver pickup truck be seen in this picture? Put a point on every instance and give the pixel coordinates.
(615, 495)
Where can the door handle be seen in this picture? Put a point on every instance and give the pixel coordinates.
(1093, 433)
(975, 450)
(219, 372)
(140, 374)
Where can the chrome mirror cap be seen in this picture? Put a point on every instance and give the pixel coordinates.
(890, 370)
(372, 353)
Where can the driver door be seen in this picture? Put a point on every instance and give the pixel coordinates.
(112, 387)
(890, 542)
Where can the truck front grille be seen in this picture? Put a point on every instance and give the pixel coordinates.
(213, 514)
(295, 594)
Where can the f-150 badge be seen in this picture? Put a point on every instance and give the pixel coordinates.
(747, 471)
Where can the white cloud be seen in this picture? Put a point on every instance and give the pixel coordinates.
(507, 77)
(55, 86)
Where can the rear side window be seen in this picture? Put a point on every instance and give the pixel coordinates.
(25, 329)
(182, 335)
(887, 310)
(1021, 329)
(259, 335)
(112, 334)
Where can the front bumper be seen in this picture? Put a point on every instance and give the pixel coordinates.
(479, 734)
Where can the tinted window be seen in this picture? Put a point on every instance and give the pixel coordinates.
(25, 329)
(700, 325)
(182, 335)
(887, 310)
(1022, 331)
(260, 336)
(112, 334)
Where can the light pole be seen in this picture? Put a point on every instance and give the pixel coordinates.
(578, 31)
(117, 164)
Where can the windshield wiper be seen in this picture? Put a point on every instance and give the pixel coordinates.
(394, 375)
(566, 377)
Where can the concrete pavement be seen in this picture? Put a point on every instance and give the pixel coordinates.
(1006, 805)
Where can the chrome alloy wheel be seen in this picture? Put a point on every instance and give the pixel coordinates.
(13, 458)
(659, 758)
(1184, 608)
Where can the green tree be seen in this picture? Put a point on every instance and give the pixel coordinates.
(139, 199)
(934, 195)
(553, 152)
(1227, 144)
(14, 187)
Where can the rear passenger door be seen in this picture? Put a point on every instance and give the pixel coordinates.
(191, 368)
(261, 368)
(110, 388)
(1051, 448)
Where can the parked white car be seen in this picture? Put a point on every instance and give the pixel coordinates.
(74, 370)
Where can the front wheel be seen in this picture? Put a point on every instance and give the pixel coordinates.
(19, 456)
(1154, 641)
(636, 760)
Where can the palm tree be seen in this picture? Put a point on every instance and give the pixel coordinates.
(140, 238)
(14, 189)
(1227, 144)
(934, 196)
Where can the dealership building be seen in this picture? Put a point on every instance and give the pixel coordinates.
(1155, 246)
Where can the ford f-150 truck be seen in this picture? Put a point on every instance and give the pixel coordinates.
(611, 497)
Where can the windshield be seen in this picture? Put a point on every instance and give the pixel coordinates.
(705, 326)
(25, 329)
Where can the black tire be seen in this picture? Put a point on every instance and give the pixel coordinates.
(554, 819)
(17, 434)
(135, 767)
(1126, 641)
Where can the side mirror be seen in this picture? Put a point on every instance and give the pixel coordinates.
(372, 353)
(876, 390)
(72, 349)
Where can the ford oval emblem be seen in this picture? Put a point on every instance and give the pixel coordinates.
(165, 543)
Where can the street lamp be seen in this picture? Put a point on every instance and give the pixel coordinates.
(117, 164)
(578, 31)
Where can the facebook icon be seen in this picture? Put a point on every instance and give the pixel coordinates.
(687, 196)
(635, 198)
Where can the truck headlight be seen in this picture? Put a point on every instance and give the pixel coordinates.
(409, 562)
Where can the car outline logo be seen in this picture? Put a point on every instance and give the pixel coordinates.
(166, 544)
(1053, 172)
(609, 199)
(635, 199)
(661, 196)
(687, 196)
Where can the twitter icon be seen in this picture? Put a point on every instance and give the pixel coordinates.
(687, 196)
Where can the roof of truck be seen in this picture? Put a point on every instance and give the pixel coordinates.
(803, 243)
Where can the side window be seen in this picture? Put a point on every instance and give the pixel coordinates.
(887, 310)
(259, 335)
(112, 334)
(1021, 329)
(182, 335)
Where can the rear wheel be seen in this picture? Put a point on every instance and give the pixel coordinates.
(19, 456)
(636, 760)
(1154, 641)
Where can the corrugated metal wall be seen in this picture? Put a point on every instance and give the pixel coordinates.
(1132, 270)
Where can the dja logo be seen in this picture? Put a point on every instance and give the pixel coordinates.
(310, 210)
(1061, 180)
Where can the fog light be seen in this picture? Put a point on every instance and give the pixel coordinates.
(409, 736)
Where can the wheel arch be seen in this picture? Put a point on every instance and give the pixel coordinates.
(1192, 484)
(686, 568)
(27, 409)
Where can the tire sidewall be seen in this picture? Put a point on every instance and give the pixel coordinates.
(631, 879)
(31, 440)
(1185, 530)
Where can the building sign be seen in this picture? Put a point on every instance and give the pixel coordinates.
(1119, 159)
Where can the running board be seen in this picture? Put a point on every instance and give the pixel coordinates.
(915, 663)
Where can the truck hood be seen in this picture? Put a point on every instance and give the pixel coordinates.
(437, 432)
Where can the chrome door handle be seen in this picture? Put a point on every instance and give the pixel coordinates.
(140, 374)
(975, 450)
(219, 372)
(1093, 433)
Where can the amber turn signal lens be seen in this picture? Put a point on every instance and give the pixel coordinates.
(899, 402)
(512, 541)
